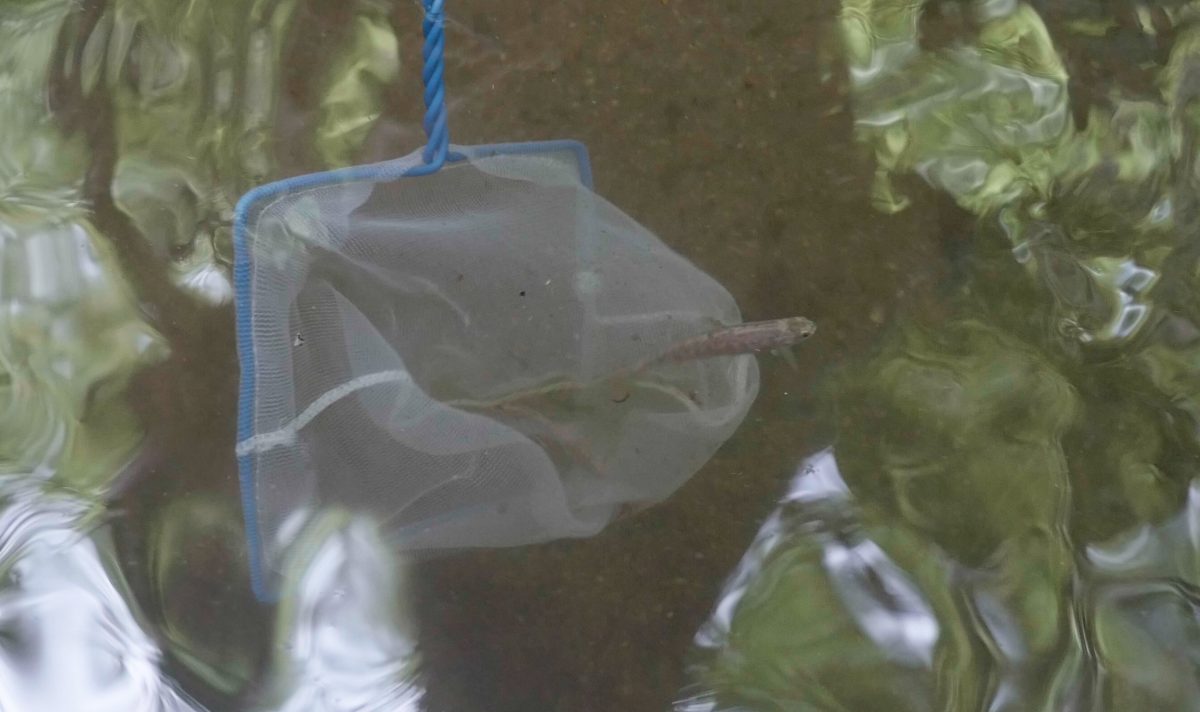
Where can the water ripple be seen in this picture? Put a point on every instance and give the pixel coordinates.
(69, 639)
(344, 642)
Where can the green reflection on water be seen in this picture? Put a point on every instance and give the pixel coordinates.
(1050, 407)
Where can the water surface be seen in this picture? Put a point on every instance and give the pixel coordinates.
(1004, 370)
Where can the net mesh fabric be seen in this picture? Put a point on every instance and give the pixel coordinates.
(387, 319)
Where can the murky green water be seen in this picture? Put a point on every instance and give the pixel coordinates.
(976, 490)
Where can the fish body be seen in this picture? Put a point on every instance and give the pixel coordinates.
(749, 338)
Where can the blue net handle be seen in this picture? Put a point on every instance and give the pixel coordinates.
(433, 76)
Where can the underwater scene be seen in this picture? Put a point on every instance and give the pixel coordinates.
(691, 356)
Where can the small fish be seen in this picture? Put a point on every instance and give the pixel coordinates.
(775, 335)
(749, 338)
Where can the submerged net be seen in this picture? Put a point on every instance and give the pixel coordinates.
(443, 352)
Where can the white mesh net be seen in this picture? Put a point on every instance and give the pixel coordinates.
(437, 351)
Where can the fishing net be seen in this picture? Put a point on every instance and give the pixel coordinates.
(434, 340)
(435, 351)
